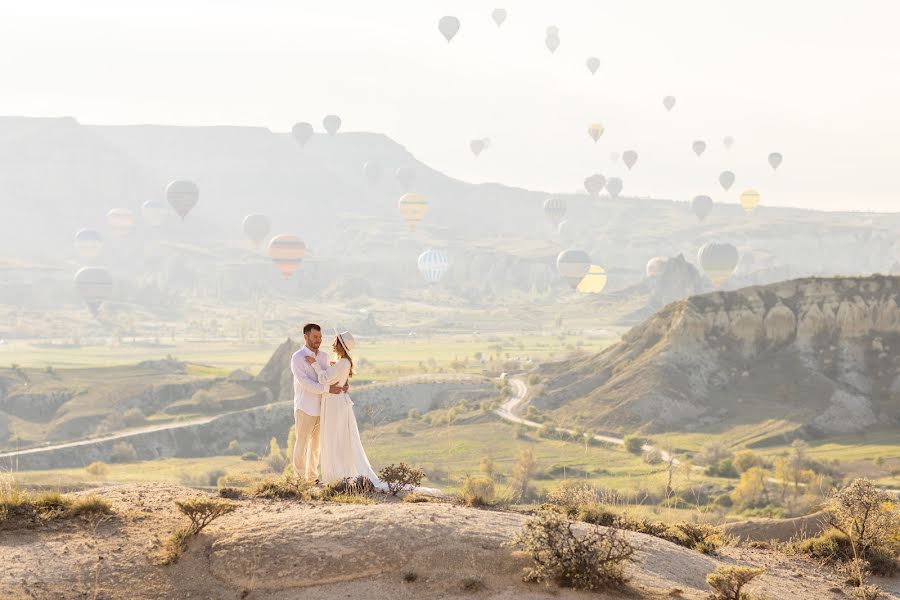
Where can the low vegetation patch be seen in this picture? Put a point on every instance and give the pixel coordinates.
(359, 486)
(478, 491)
(18, 507)
(593, 561)
(288, 487)
(401, 477)
(728, 582)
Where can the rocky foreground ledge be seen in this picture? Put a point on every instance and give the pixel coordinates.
(281, 549)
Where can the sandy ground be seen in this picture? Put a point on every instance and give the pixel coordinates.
(283, 550)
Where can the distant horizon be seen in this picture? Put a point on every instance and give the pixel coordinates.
(451, 175)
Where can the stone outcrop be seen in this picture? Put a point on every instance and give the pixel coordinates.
(826, 351)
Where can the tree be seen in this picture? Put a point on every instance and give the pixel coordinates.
(745, 459)
(522, 473)
(751, 491)
(487, 467)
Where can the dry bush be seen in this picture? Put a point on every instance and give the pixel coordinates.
(89, 506)
(401, 477)
(203, 511)
(287, 487)
(359, 486)
(416, 498)
(123, 452)
(134, 417)
(351, 499)
(49, 505)
(572, 495)
(594, 561)
(727, 582)
(703, 538)
(478, 491)
(869, 518)
(97, 468)
(175, 546)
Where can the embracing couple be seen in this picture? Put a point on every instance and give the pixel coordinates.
(327, 433)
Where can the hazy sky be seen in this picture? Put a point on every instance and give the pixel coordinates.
(814, 79)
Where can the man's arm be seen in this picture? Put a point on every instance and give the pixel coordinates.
(302, 376)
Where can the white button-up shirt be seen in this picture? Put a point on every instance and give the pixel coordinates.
(307, 389)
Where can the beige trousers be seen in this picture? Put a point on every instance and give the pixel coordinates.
(306, 448)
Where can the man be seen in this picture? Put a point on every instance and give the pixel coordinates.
(308, 394)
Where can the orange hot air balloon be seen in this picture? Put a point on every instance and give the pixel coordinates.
(287, 252)
(413, 208)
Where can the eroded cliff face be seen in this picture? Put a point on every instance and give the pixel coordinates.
(824, 352)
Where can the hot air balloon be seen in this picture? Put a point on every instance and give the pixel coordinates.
(728, 141)
(614, 157)
(702, 206)
(594, 281)
(655, 266)
(433, 264)
(592, 63)
(499, 16)
(552, 42)
(88, 243)
(775, 160)
(629, 157)
(476, 146)
(594, 184)
(405, 175)
(718, 261)
(573, 265)
(287, 252)
(448, 26)
(669, 102)
(95, 285)
(614, 187)
(726, 179)
(182, 195)
(372, 171)
(413, 208)
(595, 130)
(555, 210)
(120, 221)
(302, 132)
(155, 213)
(256, 228)
(749, 200)
(699, 147)
(331, 123)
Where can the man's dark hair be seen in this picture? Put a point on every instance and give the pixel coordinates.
(309, 327)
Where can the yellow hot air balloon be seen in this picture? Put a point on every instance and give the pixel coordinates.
(594, 281)
(749, 200)
(595, 130)
(413, 208)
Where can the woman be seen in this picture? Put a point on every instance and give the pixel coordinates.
(342, 453)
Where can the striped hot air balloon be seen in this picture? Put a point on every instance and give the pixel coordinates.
(433, 264)
(555, 210)
(594, 281)
(287, 252)
(88, 243)
(183, 195)
(95, 285)
(573, 265)
(413, 208)
(749, 201)
(120, 221)
(718, 261)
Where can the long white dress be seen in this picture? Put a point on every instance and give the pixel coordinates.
(342, 453)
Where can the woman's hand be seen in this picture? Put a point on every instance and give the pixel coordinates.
(309, 359)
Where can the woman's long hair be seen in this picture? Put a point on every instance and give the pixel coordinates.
(342, 352)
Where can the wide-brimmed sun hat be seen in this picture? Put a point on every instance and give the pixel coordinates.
(347, 340)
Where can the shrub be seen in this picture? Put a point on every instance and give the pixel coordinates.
(351, 499)
(634, 444)
(287, 487)
(276, 459)
(250, 456)
(409, 576)
(572, 495)
(653, 457)
(597, 514)
(175, 546)
(204, 400)
(123, 452)
(478, 491)
(401, 477)
(523, 471)
(359, 486)
(727, 582)
(48, 505)
(97, 468)
(90, 505)
(594, 561)
(203, 511)
(238, 480)
(747, 459)
(230, 493)
(534, 379)
(134, 417)
(699, 536)
(416, 498)
(234, 448)
(723, 468)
